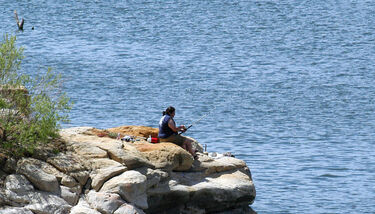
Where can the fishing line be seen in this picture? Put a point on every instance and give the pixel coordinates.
(210, 112)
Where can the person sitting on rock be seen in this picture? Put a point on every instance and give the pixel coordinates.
(168, 131)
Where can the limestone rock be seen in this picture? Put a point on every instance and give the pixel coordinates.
(82, 140)
(128, 209)
(99, 163)
(167, 196)
(69, 181)
(167, 156)
(104, 202)
(220, 189)
(45, 167)
(15, 199)
(145, 132)
(210, 165)
(81, 176)
(124, 174)
(49, 208)
(69, 132)
(131, 186)
(89, 151)
(15, 210)
(39, 178)
(213, 193)
(83, 208)
(72, 165)
(70, 195)
(18, 183)
(154, 177)
(101, 175)
(131, 159)
(32, 197)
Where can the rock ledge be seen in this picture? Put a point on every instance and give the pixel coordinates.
(99, 174)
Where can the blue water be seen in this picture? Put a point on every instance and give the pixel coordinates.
(288, 85)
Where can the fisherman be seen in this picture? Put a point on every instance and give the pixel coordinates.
(168, 131)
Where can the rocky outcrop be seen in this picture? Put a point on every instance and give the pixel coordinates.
(166, 156)
(99, 174)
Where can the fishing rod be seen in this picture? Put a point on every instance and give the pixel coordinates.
(204, 116)
(197, 121)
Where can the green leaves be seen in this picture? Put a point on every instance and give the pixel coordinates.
(10, 61)
(30, 107)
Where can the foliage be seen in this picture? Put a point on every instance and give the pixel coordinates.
(112, 135)
(31, 107)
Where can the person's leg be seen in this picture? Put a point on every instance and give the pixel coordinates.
(175, 139)
(182, 141)
(187, 145)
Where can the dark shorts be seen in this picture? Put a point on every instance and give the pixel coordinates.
(176, 139)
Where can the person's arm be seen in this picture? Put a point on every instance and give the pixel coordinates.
(172, 125)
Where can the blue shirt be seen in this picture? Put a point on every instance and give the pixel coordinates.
(164, 130)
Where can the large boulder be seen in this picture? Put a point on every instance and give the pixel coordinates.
(143, 132)
(70, 195)
(45, 167)
(83, 208)
(72, 165)
(220, 189)
(210, 165)
(18, 183)
(100, 163)
(104, 202)
(113, 176)
(131, 186)
(154, 177)
(44, 208)
(213, 193)
(36, 200)
(40, 179)
(130, 157)
(166, 156)
(88, 151)
(81, 140)
(102, 175)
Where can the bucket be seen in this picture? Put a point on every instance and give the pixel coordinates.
(154, 140)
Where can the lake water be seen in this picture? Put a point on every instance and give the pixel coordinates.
(288, 85)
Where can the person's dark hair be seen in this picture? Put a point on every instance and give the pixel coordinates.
(169, 111)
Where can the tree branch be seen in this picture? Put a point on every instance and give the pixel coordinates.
(19, 24)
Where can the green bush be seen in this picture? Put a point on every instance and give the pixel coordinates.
(31, 107)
